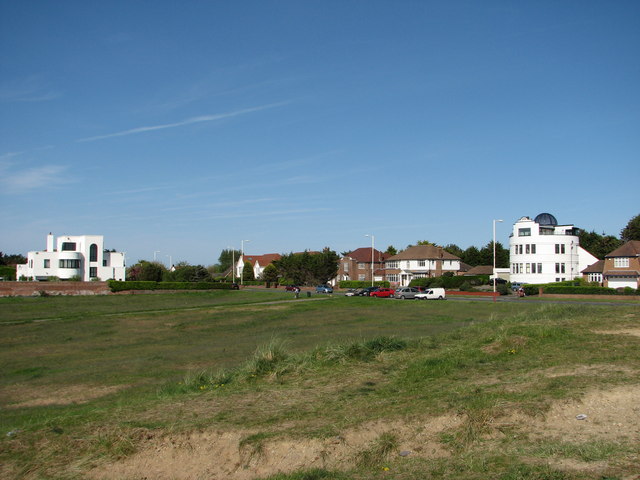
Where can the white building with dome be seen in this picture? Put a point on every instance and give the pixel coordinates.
(541, 251)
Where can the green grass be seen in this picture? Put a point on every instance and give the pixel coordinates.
(176, 363)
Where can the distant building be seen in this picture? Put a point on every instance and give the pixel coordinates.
(258, 262)
(420, 261)
(81, 256)
(541, 251)
(622, 266)
(356, 265)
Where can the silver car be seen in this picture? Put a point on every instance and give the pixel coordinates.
(406, 292)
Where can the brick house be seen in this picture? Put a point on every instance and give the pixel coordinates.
(420, 261)
(356, 265)
(622, 266)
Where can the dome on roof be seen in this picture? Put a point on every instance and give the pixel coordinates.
(546, 219)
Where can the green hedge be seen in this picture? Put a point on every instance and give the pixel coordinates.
(359, 284)
(449, 282)
(117, 286)
(566, 290)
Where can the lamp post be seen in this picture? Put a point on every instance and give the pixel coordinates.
(242, 256)
(494, 256)
(170, 261)
(372, 249)
(154, 254)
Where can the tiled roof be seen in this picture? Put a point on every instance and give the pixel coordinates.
(481, 270)
(621, 273)
(363, 255)
(597, 267)
(424, 252)
(629, 249)
(263, 260)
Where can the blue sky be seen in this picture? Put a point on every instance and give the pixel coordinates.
(186, 127)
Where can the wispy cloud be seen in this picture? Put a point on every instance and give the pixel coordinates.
(30, 89)
(189, 121)
(25, 181)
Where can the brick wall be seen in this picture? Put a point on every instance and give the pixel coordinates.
(28, 289)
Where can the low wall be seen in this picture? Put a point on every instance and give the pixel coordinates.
(32, 289)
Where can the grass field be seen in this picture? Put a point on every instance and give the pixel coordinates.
(255, 384)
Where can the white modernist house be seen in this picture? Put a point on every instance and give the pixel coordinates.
(541, 251)
(80, 256)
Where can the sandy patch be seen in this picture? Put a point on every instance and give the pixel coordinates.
(18, 396)
(626, 331)
(218, 455)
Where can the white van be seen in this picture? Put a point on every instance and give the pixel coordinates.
(432, 294)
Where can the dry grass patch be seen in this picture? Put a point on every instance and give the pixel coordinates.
(21, 395)
(245, 454)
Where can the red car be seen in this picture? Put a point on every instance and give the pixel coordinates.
(383, 293)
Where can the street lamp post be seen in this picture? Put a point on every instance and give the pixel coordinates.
(242, 256)
(372, 249)
(494, 256)
(154, 254)
(170, 262)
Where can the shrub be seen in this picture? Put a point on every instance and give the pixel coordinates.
(502, 289)
(466, 287)
(531, 290)
(561, 289)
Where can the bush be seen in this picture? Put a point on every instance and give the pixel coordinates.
(562, 289)
(466, 287)
(531, 290)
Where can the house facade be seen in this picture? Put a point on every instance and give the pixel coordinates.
(81, 256)
(541, 251)
(357, 265)
(622, 266)
(258, 262)
(420, 261)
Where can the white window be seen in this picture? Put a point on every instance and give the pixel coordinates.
(361, 266)
(533, 248)
(392, 278)
(559, 248)
(408, 263)
(524, 232)
(394, 264)
(361, 277)
(422, 263)
(47, 263)
(533, 268)
(539, 268)
(621, 262)
(528, 267)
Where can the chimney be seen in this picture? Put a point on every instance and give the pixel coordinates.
(50, 242)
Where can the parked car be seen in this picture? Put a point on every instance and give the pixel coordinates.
(235, 286)
(406, 292)
(367, 291)
(353, 292)
(324, 289)
(432, 294)
(290, 288)
(382, 293)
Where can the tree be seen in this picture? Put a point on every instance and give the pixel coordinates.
(247, 271)
(12, 259)
(632, 230)
(308, 268)
(188, 273)
(471, 256)
(454, 249)
(426, 242)
(270, 274)
(225, 260)
(598, 245)
(145, 271)
(486, 255)
(391, 250)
